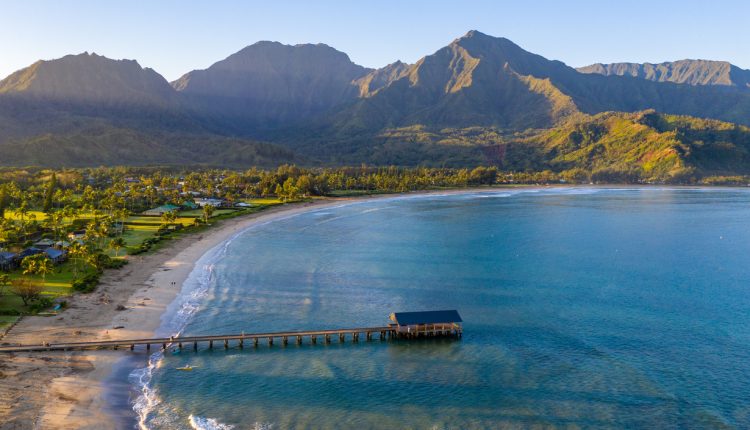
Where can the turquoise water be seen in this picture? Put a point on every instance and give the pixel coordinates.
(596, 308)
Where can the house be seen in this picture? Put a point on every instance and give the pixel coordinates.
(29, 252)
(159, 211)
(189, 205)
(44, 244)
(8, 261)
(77, 235)
(413, 324)
(62, 244)
(56, 255)
(210, 202)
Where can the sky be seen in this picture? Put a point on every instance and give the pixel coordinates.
(174, 37)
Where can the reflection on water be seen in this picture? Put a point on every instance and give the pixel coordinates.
(584, 307)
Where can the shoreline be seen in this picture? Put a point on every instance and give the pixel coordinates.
(54, 390)
(66, 391)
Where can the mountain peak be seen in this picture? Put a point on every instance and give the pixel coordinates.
(88, 77)
(273, 80)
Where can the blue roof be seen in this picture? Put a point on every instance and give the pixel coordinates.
(30, 251)
(53, 253)
(426, 317)
(8, 255)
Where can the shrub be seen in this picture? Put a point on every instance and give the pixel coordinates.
(106, 262)
(42, 304)
(86, 284)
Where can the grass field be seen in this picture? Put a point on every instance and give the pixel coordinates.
(138, 228)
(155, 220)
(264, 201)
(59, 283)
(198, 213)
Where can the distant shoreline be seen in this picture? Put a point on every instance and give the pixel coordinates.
(56, 390)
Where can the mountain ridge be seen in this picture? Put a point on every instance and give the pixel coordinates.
(468, 102)
(690, 72)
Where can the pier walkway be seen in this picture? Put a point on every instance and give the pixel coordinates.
(239, 340)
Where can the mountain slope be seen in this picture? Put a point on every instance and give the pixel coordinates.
(86, 91)
(475, 81)
(271, 82)
(690, 72)
(478, 100)
(644, 144)
(110, 146)
(89, 78)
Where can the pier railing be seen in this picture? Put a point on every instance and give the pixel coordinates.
(239, 340)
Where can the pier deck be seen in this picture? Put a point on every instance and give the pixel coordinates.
(383, 333)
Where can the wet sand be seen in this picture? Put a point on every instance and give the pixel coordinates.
(65, 390)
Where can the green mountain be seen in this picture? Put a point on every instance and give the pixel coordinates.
(111, 146)
(690, 72)
(648, 144)
(89, 110)
(613, 145)
(478, 100)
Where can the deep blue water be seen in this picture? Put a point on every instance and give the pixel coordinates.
(595, 308)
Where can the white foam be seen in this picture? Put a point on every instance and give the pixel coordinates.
(200, 423)
(178, 314)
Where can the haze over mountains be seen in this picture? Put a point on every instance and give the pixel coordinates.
(691, 72)
(479, 100)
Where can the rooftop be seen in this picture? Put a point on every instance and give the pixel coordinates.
(426, 317)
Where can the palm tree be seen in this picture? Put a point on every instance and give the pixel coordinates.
(76, 252)
(208, 210)
(117, 244)
(29, 265)
(122, 215)
(43, 267)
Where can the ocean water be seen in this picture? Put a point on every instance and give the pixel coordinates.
(583, 308)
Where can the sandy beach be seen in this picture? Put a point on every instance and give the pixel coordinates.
(65, 390)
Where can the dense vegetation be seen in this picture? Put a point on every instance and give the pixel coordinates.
(480, 100)
(96, 215)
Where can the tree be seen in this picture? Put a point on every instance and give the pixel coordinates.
(169, 217)
(3, 200)
(37, 264)
(43, 267)
(49, 194)
(117, 244)
(4, 282)
(26, 289)
(77, 252)
(29, 264)
(208, 210)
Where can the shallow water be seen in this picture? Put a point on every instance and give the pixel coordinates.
(601, 308)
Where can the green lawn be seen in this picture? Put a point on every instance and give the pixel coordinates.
(59, 283)
(5, 322)
(264, 201)
(137, 229)
(198, 213)
(157, 221)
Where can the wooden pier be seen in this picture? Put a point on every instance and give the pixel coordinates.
(392, 331)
